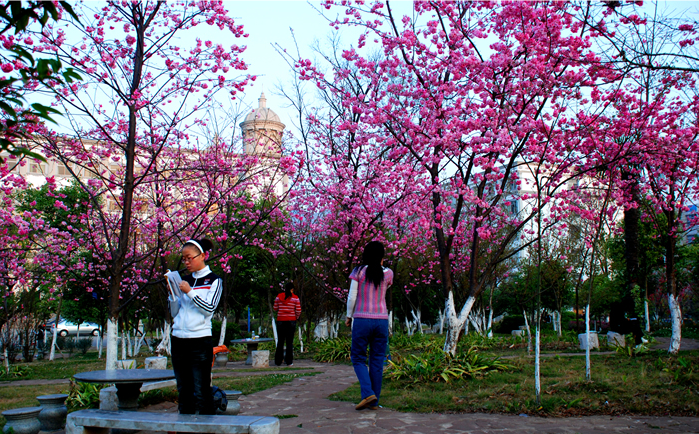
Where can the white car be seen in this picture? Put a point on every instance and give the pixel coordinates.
(66, 328)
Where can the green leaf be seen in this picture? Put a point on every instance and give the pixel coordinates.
(8, 109)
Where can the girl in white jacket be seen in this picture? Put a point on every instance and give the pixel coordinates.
(192, 348)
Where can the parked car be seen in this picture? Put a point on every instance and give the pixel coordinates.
(66, 328)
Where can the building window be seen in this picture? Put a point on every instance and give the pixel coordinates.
(62, 170)
(36, 168)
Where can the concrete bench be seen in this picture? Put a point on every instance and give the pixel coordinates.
(99, 421)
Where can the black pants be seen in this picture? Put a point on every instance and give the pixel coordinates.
(285, 335)
(191, 361)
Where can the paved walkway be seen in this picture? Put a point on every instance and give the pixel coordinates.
(306, 397)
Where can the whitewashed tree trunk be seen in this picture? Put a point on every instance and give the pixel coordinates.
(222, 338)
(301, 337)
(475, 320)
(390, 323)
(100, 339)
(537, 361)
(274, 331)
(645, 303)
(130, 349)
(441, 321)
(336, 327)
(54, 335)
(126, 343)
(676, 317)
(417, 320)
(529, 332)
(588, 375)
(77, 336)
(409, 326)
(7, 360)
(455, 323)
(164, 345)
(554, 323)
(560, 326)
(112, 343)
(490, 323)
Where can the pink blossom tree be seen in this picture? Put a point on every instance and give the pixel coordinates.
(484, 104)
(142, 91)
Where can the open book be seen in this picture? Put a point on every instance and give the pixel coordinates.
(173, 282)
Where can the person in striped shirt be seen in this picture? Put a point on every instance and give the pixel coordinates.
(192, 351)
(368, 317)
(288, 308)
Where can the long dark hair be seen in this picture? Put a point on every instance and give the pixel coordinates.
(371, 257)
(287, 290)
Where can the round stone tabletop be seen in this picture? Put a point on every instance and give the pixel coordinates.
(251, 341)
(24, 411)
(125, 376)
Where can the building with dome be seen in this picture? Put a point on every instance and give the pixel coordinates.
(262, 132)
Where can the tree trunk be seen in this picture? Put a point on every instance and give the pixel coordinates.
(52, 353)
(529, 332)
(675, 311)
(645, 305)
(631, 238)
(455, 323)
(301, 338)
(112, 342)
(274, 330)
(588, 374)
(676, 317)
(164, 345)
(222, 338)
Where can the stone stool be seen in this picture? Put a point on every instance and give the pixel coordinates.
(594, 340)
(233, 404)
(221, 360)
(53, 411)
(156, 363)
(260, 359)
(616, 339)
(22, 420)
(126, 364)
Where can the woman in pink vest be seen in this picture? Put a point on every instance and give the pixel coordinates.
(368, 316)
(288, 308)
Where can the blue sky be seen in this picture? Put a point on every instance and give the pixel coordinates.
(269, 22)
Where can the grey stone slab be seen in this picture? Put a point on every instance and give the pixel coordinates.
(158, 385)
(83, 421)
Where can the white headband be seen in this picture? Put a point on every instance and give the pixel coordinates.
(198, 246)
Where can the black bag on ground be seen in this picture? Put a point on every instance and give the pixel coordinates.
(220, 398)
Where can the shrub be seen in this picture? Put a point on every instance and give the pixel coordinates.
(83, 344)
(437, 366)
(509, 323)
(333, 350)
(232, 331)
(16, 371)
(69, 345)
(416, 342)
(84, 395)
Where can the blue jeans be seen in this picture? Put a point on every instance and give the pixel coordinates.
(372, 333)
(191, 361)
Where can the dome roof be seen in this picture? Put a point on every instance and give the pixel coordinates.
(262, 113)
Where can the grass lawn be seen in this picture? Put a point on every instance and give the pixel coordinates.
(650, 384)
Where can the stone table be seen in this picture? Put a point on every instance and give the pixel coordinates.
(252, 346)
(127, 381)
